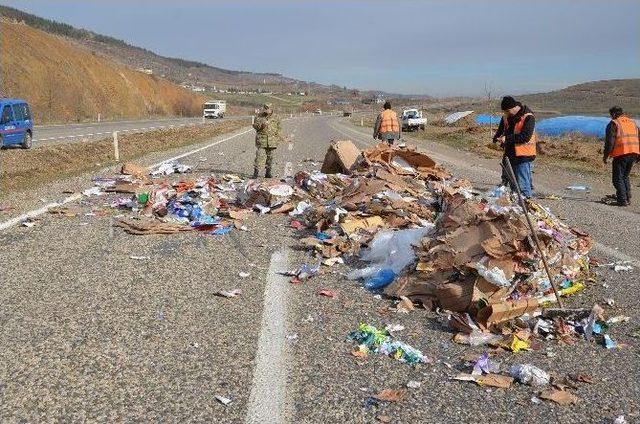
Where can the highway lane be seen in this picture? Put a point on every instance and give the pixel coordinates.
(88, 333)
(49, 134)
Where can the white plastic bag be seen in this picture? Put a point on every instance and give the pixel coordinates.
(391, 250)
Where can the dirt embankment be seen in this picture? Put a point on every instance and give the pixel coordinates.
(24, 169)
(65, 82)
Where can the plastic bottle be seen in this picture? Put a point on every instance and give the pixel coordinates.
(382, 279)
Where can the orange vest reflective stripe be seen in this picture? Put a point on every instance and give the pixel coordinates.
(522, 149)
(626, 141)
(389, 122)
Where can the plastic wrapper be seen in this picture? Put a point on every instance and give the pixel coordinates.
(390, 250)
(530, 375)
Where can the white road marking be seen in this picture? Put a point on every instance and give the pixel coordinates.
(268, 390)
(37, 212)
(208, 146)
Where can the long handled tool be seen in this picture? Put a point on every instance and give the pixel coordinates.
(506, 163)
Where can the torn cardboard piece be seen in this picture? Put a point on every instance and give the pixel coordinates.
(341, 157)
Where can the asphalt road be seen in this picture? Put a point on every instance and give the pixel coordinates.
(48, 134)
(90, 334)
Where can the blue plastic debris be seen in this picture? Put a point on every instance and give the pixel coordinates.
(322, 236)
(221, 231)
(609, 343)
(382, 279)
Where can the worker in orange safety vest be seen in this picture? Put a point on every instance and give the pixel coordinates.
(387, 126)
(621, 144)
(516, 135)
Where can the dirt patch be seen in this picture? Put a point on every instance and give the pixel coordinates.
(25, 169)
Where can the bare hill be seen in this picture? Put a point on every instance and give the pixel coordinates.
(591, 98)
(177, 70)
(65, 82)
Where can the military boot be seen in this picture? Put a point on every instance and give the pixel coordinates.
(267, 174)
(255, 174)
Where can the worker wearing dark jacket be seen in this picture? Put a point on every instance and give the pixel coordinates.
(516, 135)
(622, 144)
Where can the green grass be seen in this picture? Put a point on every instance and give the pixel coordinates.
(286, 104)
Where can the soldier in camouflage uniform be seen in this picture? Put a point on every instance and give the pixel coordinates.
(268, 134)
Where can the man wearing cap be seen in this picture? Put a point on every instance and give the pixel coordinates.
(387, 127)
(516, 135)
(622, 144)
(268, 134)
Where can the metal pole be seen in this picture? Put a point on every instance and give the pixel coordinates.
(507, 164)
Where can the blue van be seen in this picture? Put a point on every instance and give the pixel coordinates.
(16, 124)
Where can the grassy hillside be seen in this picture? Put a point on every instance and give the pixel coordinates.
(64, 82)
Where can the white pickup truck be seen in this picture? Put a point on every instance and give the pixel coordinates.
(412, 120)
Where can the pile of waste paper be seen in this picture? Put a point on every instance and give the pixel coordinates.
(425, 237)
(441, 243)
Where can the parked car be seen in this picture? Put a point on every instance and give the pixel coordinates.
(16, 125)
(412, 120)
(318, 112)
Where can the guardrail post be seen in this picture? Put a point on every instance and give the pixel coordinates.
(361, 121)
(116, 147)
(98, 117)
(253, 119)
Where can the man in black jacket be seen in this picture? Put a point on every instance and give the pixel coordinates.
(516, 135)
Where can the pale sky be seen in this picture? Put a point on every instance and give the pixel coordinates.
(437, 47)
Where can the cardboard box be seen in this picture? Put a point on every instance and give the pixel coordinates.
(342, 156)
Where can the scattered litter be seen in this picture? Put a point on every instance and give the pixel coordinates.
(223, 400)
(530, 375)
(389, 395)
(171, 168)
(370, 339)
(620, 420)
(577, 187)
(139, 258)
(394, 328)
(412, 384)
(327, 293)
(561, 397)
(333, 261)
(621, 268)
(229, 293)
(244, 274)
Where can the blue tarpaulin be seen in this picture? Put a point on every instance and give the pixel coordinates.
(593, 126)
(586, 125)
(487, 119)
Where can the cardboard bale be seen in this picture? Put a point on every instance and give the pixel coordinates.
(342, 156)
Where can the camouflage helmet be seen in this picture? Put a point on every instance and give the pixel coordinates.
(267, 108)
